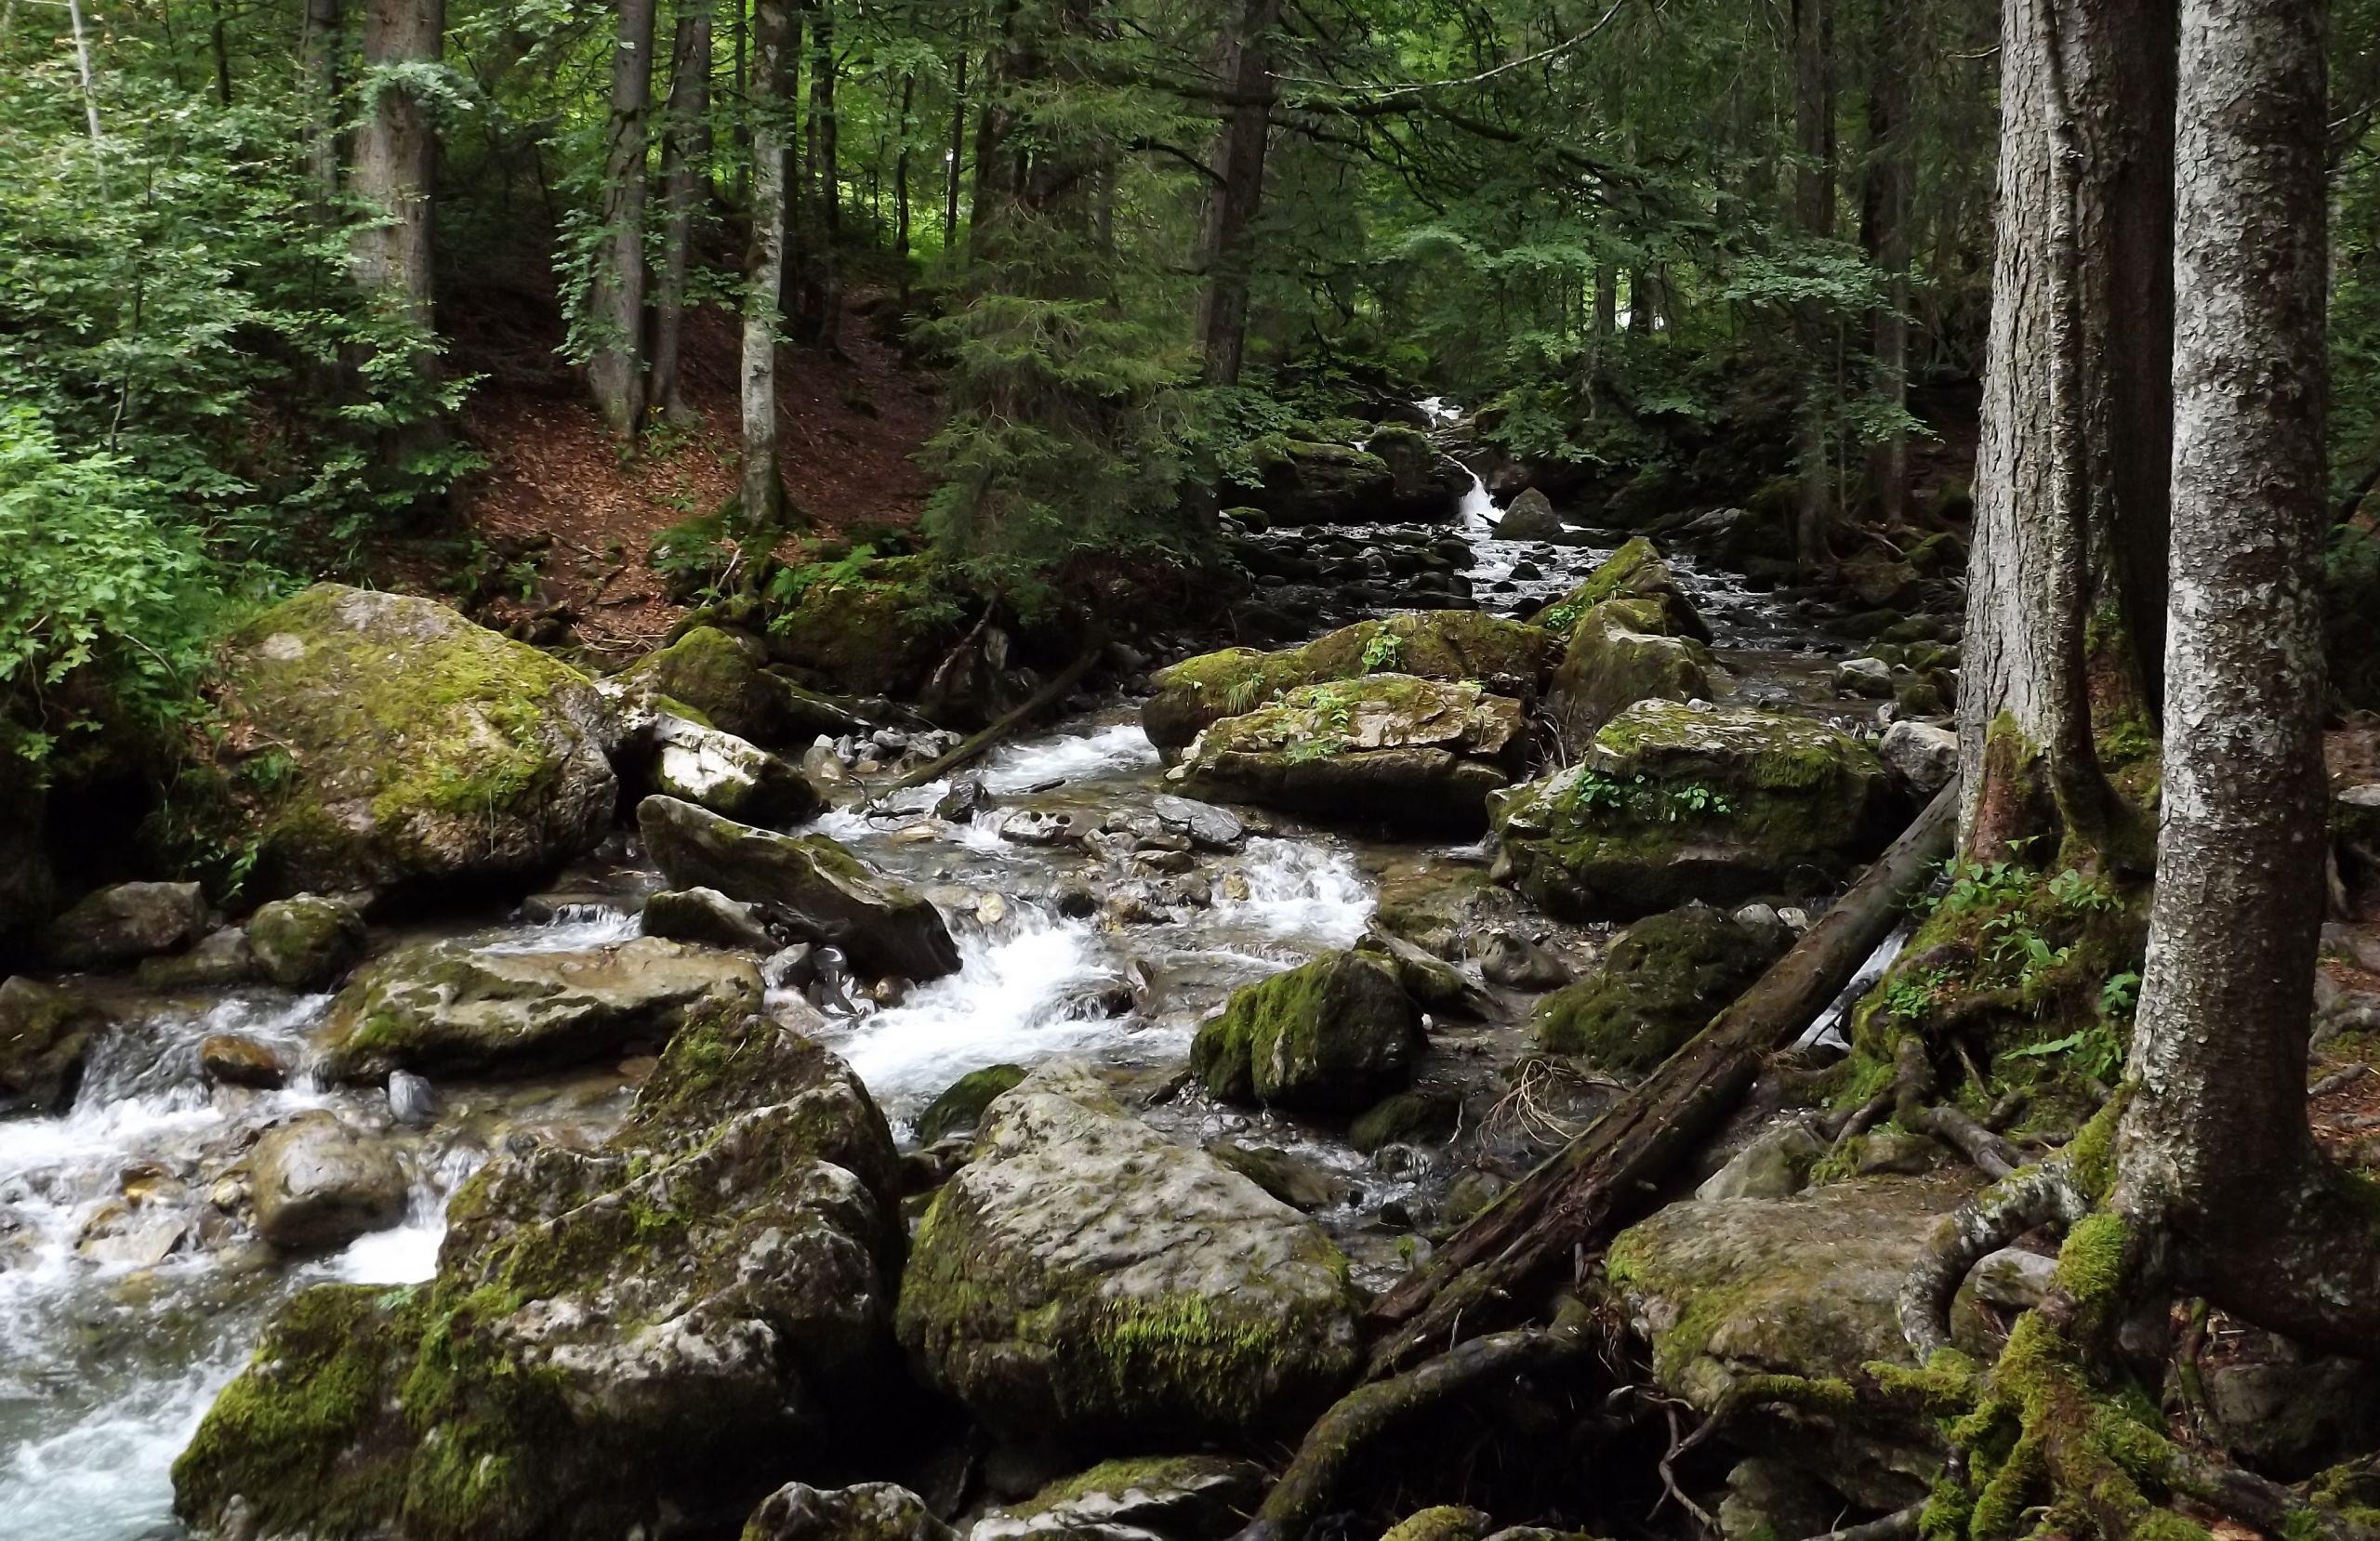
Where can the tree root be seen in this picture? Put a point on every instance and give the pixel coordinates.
(2024, 1199)
(1899, 1525)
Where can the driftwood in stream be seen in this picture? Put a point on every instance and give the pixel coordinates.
(1476, 1281)
(1042, 700)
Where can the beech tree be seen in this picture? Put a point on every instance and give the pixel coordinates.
(685, 147)
(776, 45)
(396, 157)
(615, 292)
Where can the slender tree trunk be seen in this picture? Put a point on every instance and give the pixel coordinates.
(1814, 211)
(219, 42)
(743, 129)
(2069, 522)
(775, 44)
(616, 297)
(824, 299)
(318, 59)
(901, 187)
(957, 167)
(396, 154)
(1885, 234)
(682, 180)
(1231, 207)
(2214, 1144)
(1606, 314)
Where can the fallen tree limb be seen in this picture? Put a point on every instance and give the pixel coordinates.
(1041, 701)
(1570, 1201)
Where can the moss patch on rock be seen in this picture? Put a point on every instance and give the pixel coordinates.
(1660, 982)
(1622, 651)
(960, 1104)
(1634, 572)
(1334, 1034)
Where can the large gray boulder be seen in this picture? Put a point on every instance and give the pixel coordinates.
(305, 943)
(645, 1338)
(811, 882)
(320, 1184)
(867, 1511)
(725, 774)
(125, 922)
(449, 1007)
(1531, 517)
(1087, 1281)
(724, 679)
(1334, 1035)
(406, 744)
(45, 1037)
(1622, 651)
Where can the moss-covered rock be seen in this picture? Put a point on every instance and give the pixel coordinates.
(306, 941)
(1407, 1118)
(720, 772)
(447, 1006)
(1444, 1522)
(869, 1511)
(724, 676)
(1383, 746)
(1086, 1280)
(1671, 804)
(1336, 1033)
(1189, 1497)
(125, 922)
(646, 1335)
(1622, 653)
(1301, 482)
(1660, 982)
(876, 631)
(1634, 572)
(1507, 657)
(45, 1035)
(960, 1104)
(395, 741)
(811, 882)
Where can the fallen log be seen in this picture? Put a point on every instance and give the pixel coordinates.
(1041, 701)
(1476, 1281)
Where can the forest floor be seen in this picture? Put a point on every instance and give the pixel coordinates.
(559, 521)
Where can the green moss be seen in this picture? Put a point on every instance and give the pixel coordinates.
(1330, 1032)
(1146, 1473)
(1660, 983)
(961, 1105)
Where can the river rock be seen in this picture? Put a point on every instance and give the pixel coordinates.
(1622, 653)
(125, 922)
(46, 1034)
(1920, 756)
(1531, 517)
(722, 772)
(1660, 982)
(966, 799)
(220, 958)
(819, 887)
(1671, 804)
(960, 1104)
(1298, 1181)
(1634, 572)
(320, 1184)
(708, 917)
(1435, 983)
(869, 1511)
(1178, 1497)
(1508, 958)
(1208, 827)
(1384, 747)
(306, 941)
(229, 1060)
(643, 1337)
(1507, 657)
(1087, 1281)
(418, 746)
(1869, 676)
(1336, 1033)
(449, 1007)
(724, 678)
(1309, 483)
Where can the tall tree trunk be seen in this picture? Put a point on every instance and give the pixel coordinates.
(1247, 65)
(615, 297)
(396, 156)
(1885, 235)
(1814, 211)
(1607, 313)
(741, 130)
(2069, 509)
(218, 43)
(956, 170)
(2214, 1144)
(775, 44)
(683, 155)
(318, 60)
(825, 298)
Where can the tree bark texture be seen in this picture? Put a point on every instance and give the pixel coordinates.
(318, 56)
(1814, 211)
(683, 153)
(2070, 530)
(396, 156)
(957, 169)
(1885, 234)
(1233, 207)
(2215, 1143)
(615, 294)
(775, 44)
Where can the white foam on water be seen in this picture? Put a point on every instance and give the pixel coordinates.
(1104, 752)
(407, 1254)
(574, 929)
(1302, 893)
(106, 1475)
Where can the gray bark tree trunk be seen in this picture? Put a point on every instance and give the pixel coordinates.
(1885, 233)
(957, 165)
(616, 295)
(775, 44)
(396, 156)
(1814, 211)
(318, 56)
(2214, 1148)
(683, 155)
(1247, 65)
(2069, 505)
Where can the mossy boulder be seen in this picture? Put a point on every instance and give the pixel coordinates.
(1671, 804)
(1660, 982)
(1179, 1497)
(811, 883)
(447, 1008)
(306, 941)
(867, 1511)
(1407, 1118)
(1620, 652)
(724, 676)
(1634, 572)
(1423, 482)
(392, 741)
(1333, 1034)
(1301, 482)
(125, 922)
(642, 1337)
(1383, 746)
(874, 631)
(960, 1104)
(1087, 1282)
(1507, 657)
(45, 1035)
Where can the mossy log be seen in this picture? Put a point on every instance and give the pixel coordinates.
(1572, 1201)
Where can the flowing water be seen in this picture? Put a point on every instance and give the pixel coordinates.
(126, 1301)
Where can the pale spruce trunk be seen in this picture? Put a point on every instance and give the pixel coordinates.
(774, 46)
(2070, 492)
(1233, 205)
(2214, 1150)
(318, 56)
(396, 155)
(615, 294)
(684, 155)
